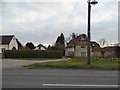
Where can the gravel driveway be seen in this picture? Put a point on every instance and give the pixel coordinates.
(14, 63)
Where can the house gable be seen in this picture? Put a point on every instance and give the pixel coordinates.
(40, 47)
(8, 42)
(13, 44)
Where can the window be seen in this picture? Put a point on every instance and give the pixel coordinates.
(3, 49)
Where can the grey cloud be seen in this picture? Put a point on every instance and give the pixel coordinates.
(43, 22)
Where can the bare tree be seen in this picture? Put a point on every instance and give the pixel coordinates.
(102, 42)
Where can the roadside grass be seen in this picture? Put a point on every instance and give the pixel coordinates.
(76, 63)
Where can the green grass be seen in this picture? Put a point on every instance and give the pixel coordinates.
(109, 64)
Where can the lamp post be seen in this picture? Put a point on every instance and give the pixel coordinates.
(88, 33)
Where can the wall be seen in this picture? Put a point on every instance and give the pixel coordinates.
(80, 52)
(3, 46)
(107, 54)
(42, 48)
(66, 52)
(110, 54)
(37, 48)
(69, 52)
(13, 43)
(96, 54)
(77, 51)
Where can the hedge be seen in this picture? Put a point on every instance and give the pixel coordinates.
(33, 54)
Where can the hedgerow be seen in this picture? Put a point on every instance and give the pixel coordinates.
(33, 54)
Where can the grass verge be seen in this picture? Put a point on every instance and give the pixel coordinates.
(109, 64)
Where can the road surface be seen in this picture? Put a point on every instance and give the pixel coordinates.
(16, 77)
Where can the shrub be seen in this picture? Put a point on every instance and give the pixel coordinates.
(33, 54)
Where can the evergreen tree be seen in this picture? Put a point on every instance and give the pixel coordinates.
(60, 42)
(49, 47)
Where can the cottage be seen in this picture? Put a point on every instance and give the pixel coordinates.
(40, 47)
(8, 42)
(77, 47)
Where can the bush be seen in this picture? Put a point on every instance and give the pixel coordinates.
(33, 54)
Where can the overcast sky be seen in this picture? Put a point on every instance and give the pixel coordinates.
(40, 21)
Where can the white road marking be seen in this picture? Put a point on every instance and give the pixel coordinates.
(79, 85)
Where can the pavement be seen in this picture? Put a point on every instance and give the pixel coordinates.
(16, 63)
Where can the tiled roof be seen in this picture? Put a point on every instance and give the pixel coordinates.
(75, 40)
(80, 38)
(5, 39)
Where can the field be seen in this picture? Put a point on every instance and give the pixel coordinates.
(76, 63)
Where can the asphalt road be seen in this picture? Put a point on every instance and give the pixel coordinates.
(15, 76)
(60, 78)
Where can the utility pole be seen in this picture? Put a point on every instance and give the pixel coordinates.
(88, 32)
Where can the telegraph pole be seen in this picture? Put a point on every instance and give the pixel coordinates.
(88, 32)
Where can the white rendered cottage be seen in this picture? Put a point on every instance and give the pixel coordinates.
(8, 42)
(40, 47)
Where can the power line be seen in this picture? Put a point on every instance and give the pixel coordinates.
(67, 23)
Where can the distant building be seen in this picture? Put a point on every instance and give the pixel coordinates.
(77, 47)
(8, 42)
(40, 47)
(110, 51)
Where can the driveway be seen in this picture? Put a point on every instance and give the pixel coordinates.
(15, 63)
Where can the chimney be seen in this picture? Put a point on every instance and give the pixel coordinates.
(73, 35)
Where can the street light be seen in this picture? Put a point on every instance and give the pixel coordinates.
(89, 37)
